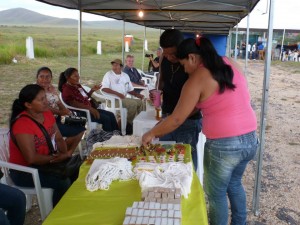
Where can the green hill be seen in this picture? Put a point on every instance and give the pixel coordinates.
(25, 17)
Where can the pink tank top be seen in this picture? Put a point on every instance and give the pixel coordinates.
(230, 113)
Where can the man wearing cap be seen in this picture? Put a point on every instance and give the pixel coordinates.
(118, 83)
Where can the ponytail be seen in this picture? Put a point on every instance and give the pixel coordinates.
(61, 81)
(64, 76)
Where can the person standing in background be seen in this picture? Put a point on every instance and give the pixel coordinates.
(249, 50)
(253, 49)
(154, 63)
(243, 50)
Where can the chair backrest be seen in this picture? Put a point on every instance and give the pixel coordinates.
(149, 79)
(4, 144)
(91, 125)
(4, 148)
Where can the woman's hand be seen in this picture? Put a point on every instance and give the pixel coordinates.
(60, 157)
(65, 112)
(96, 87)
(147, 138)
(95, 113)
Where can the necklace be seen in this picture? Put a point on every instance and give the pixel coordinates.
(173, 71)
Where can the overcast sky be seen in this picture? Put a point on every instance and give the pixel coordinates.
(286, 12)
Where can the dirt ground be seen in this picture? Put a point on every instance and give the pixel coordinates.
(280, 181)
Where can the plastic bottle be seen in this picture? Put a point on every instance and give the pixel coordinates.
(158, 113)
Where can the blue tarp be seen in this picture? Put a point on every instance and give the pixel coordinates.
(219, 41)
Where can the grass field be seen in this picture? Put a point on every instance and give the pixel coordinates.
(57, 49)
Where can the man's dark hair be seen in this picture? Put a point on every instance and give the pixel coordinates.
(170, 38)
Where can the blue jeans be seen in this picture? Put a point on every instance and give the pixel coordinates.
(187, 133)
(107, 119)
(225, 160)
(13, 201)
(60, 186)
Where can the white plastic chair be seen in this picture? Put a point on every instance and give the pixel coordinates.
(91, 125)
(44, 195)
(149, 79)
(114, 104)
(110, 105)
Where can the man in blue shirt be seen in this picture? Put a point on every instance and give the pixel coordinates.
(134, 75)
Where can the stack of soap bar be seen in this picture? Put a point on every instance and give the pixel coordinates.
(153, 213)
(162, 195)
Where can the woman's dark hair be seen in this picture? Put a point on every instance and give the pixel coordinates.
(64, 76)
(220, 71)
(170, 38)
(43, 68)
(27, 94)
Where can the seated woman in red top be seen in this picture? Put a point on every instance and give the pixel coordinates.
(75, 95)
(29, 145)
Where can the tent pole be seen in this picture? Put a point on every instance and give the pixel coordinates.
(143, 60)
(123, 40)
(79, 38)
(228, 48)
(247, 42)
(281, 49)
(263, 115)
(236, 38)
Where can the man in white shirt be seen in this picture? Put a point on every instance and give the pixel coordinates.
(249, 50)
(118, 83)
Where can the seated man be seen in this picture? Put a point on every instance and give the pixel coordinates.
(118, 83)
(134, 75)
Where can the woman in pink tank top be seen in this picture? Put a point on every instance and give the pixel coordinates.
(217, 88)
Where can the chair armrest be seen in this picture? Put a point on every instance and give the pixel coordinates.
(34, 172)
(112, 98)
(88, 115)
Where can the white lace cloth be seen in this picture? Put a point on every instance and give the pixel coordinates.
(168, 175)
(104, 171)
(120, 141)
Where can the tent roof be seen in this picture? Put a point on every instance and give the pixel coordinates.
(197, 16)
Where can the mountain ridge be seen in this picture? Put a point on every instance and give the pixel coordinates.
(26, 17)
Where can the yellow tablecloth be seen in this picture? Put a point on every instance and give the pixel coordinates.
(79, 206)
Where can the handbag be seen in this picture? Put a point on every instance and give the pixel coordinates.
(73, 120)
(68, 168)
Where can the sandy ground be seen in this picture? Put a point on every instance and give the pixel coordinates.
(279, 197)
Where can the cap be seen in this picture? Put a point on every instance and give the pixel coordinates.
(118, 61)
